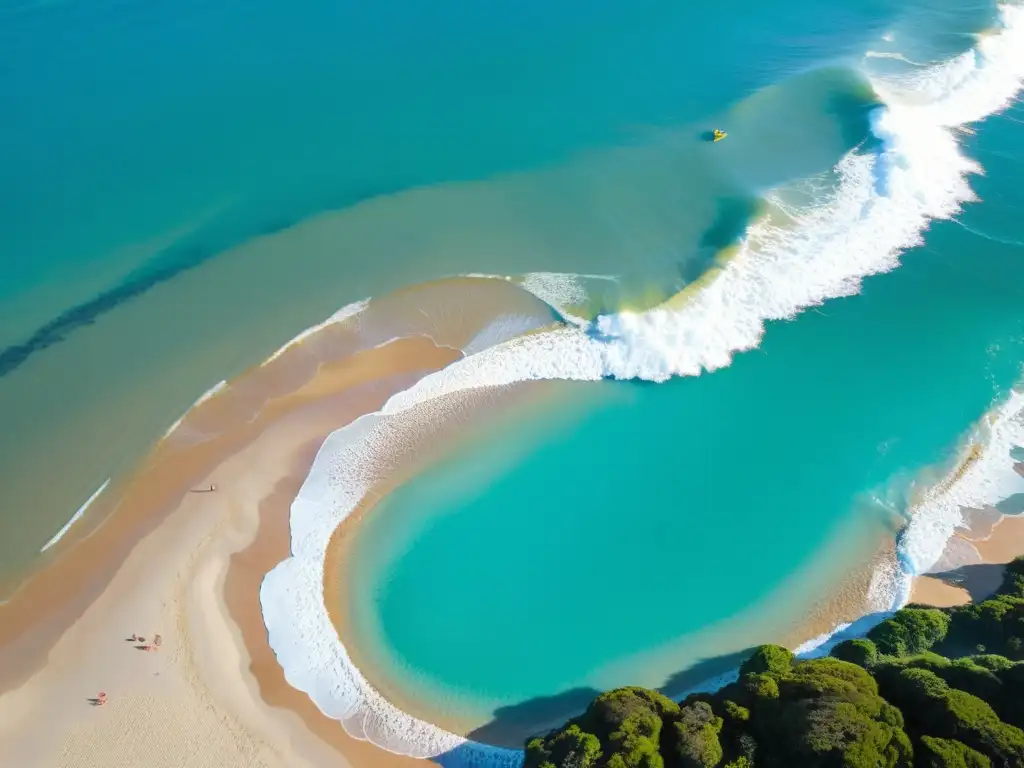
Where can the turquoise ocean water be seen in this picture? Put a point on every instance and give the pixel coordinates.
(504, 577)
(188, 185)
(597, 549)
(149, 148)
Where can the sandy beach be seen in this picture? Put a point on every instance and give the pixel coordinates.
(998, 545)
(212, 694)
(180, 549)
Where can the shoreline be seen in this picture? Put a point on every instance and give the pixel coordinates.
(974, 581)
(822, 622)
(144, 541)
(168, 583)
(467, 414)
(197, 577)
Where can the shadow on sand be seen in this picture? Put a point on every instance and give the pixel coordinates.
(979, 580)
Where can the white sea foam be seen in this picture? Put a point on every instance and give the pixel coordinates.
(986, 477)
(75, 517)
(499, 330)
(343, 314)
(883, 204)
(210, 393)
(299, 628)
(885, 201)
(558, 290)
(891, 55)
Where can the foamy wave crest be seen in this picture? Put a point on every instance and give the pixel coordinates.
(891, 55)
(343, 314)
(979, 83)
(885, 200)
(299, 628)
(884, 203)
(75, 517)
(207, 395)
(558, 290)
(986, 476)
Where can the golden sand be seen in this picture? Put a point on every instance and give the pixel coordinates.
(1001, 544)
(188, 566)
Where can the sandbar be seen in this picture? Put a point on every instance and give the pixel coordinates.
(212, 694)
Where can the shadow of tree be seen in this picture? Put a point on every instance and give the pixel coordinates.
(979, 580)
(500, 741)
(703, 671)
(512, 725)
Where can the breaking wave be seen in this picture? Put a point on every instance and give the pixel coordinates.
(888, 193)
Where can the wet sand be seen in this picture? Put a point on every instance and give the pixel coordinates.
(417, 443)
(1001, 543)
(94, 405)
(169, 557)
(213, 693)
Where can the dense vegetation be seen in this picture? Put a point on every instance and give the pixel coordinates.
(926, 688)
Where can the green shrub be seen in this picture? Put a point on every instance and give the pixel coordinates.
(978, 726)
(831, 732)
(891, 715)
(947, 753)
(832, 677)
(830, 712)
(628, 711)
(996, 624)
(926, 660)
(911, 630)
(933, 708)
(628, 721)
(742, 746)
(916, 688)
(694, 737)
(771, 660)
(1013, 578)
(569, 747)
(635, 753)
(992, 661)
(759, 687)
(735, 712)
(861, 652)
(967, 675)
